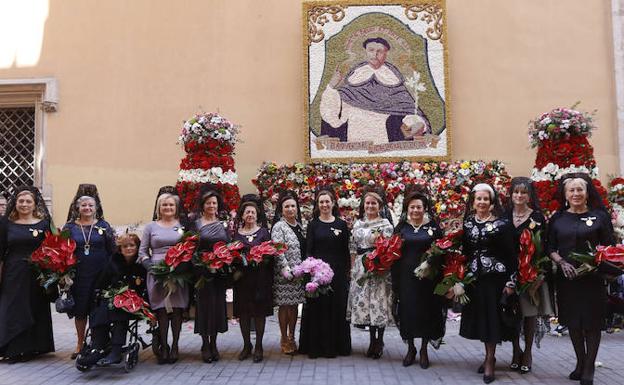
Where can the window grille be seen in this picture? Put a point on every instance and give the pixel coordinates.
(17, 147)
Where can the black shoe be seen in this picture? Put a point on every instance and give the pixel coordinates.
(245, 353)
(424, 362)
(575, 375)
(525, 369)
(258, 355)
(481, 368)
(410, 357)
(173, 355)
(163, 354)
(587, 382)
(488, 379)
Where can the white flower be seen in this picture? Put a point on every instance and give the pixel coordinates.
(458, 289)
(545, 121)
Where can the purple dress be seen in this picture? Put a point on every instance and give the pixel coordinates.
(253, 291)
(211, 316)
(155, 243)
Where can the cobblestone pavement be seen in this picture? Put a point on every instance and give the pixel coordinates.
(455, 362)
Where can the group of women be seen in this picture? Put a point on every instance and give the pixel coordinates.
(491, 237)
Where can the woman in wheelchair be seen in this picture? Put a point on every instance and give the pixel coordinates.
(109, 327)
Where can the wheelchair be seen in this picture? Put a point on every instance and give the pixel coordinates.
(89, 356)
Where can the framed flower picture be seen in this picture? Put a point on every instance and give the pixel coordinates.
(375, 80)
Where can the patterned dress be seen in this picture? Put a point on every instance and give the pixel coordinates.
(370, 298)
(493, 259)
(287, 292)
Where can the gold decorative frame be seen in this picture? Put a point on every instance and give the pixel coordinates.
(317, 14)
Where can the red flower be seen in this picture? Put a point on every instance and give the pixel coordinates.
(55, 254)
(131, 302)
(181, 252)
(265, 249)
(613, 254)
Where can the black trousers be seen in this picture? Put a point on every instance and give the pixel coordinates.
(115, 333)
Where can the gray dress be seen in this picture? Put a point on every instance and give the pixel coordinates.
(286, 292)
(370, 298)
(155, 242)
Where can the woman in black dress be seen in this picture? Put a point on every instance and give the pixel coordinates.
(582, 219)
(325, 331)
(95, 244)
(421, 313)
(110, 326)
(488, 242)
(25, 319)
(211, 315)
(253, 290)
(523, 211)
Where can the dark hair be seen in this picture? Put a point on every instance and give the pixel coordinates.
(89, 190)
(379, 40)
(527, 183)
(415, 193)
(594, 200)
(210, 192)
(41, 211)
(495, 201)
(252, 200)
(283, 197)
(325, 190)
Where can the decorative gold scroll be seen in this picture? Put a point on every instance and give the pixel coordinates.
(320, 15)
(429, 13)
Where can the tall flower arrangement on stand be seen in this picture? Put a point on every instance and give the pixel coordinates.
(448, 183)
(616, 199)
(209, 141)
(561, 137)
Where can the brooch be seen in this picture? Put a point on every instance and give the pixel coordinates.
(179, 230)
(430, 232)
(138, 281)
(589, 221)
(489, 227)
(336, 231)
(251, 237)
(35, 232)
(533, 224)
(100, 230)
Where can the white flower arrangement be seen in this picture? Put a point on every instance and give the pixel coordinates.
(205, 126)
(213, 175)
(553, 172)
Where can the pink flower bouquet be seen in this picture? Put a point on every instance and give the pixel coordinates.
(316, 274)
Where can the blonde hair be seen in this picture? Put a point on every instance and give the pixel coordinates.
(164, 197)
(13, 215)
(128, 238)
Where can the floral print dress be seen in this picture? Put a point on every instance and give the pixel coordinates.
(370, 297)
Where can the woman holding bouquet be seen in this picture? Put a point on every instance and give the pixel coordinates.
(488, 243)
(111, 325)
(582, 220)
(370, 297)
(158, 237)
(253, 291)
(524, 213)
(211, 315)
(25, 319)
(95, 243)
(421, 313)
(325, 331)
(287, 292)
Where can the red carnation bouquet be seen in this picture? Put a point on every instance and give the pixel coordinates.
(531, 263)
(168, 271)
(220, 260)
(54, 259)
(263, 253)
(129, 301)
(434, 257)
(387, 251)
(456, 277)
(607, 260)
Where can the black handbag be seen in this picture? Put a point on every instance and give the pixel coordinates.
(65, 304)
(510, 312)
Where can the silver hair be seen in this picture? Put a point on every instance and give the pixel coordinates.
(484, 187)
(569, 180)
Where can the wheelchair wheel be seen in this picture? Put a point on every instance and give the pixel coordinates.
(131, 358)
(80, 367)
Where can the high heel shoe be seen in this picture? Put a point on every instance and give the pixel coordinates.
(258, 355)
(292, 345)
(163, 355)
(487, 379)
(423, 361)
(587, 382)
(410, 357)
(173, 354)
(245, 353)
(575, 375)
(285, 346)
(378, 350)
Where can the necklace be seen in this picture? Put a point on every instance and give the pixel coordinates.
(417, 228)
(521, 215)
(86, 238)
(479, 220)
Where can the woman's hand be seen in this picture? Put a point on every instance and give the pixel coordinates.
(509, 290)
(567, 269)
